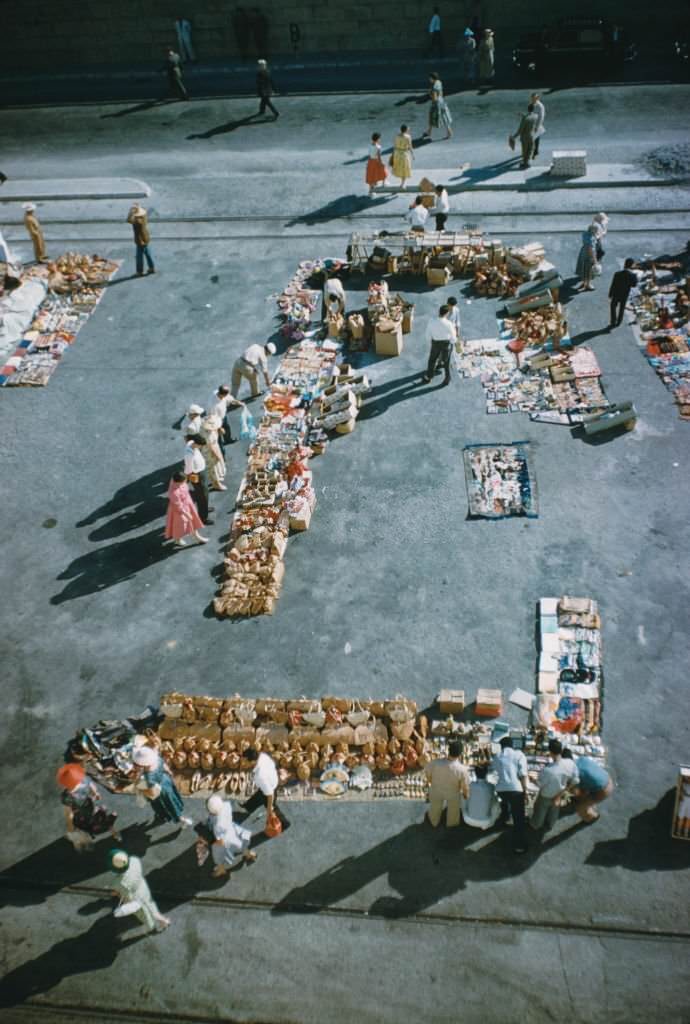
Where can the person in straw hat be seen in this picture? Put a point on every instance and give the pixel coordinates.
(133, 891)
(33, 226)
(231, 842)
(138, 218)
(156, 784)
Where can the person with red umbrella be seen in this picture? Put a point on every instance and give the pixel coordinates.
(85, 814)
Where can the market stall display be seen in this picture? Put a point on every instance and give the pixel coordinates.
(662, 331)
(75, 285)
(500, 481)
(680, 825)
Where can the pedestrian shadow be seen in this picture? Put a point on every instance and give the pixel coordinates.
(345, 206)
(477, 175)
(648, 846)
(383, 396)
(105, 567)
(147, 105)
(418, 98)
(119, 280)
(143, 499)
(229, 126)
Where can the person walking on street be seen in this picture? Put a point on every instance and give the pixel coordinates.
(449, 785)
(197, 476)
(586, 259)
(621, 284)
(33, 226)
(265, 776)
(595, 786)
(511, 768)
(182, 519)
(554, 782)
(440, 333)
(600, 225)
(439, 114)
(440, 208)
(231, 842)
(265, 89)
(468, 48)
(526, 133)
(86, 816)
(252, 362)
(540, 111)
(418, 215)
(157, 785)
(132, 888)
(486, 56)
(402, 156)
(139, 220)
(184, 39)
(174, 70)
(213, 453)
(435, 37)
(221, 401)
(376, 172)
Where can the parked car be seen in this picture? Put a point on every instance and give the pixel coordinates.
(574, 45)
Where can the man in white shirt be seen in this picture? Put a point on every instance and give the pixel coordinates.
(482, 807)
(440, 208)
(435, 38)
(511, 768)
(252, 361)
(555, 779)
(265, 776)
(540, 111)
(450, 784)
(441, 335)
(454, 315)
(197, 477)
(221, 401)
(417, 215)
(333, 290)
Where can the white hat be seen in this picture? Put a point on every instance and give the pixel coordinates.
(195, 410)
(145, 757)
(214, 804)
(271, 349)
(261, 63)
(139, 741)
(119, 860)
(28, 207)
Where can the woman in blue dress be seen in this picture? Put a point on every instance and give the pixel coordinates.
(586, 259)
(159, 787)
(439, 114)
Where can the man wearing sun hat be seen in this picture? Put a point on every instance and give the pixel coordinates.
(33, 226)
(252, 360)
(138, 218)
(132, 888)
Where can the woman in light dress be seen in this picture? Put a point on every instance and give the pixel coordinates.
(156, 784)
(183, 517)
(586, 259)
(376, 172)
(401, 160)
(231, 842)
(486, 56)
(213, 453)
(131, 887)
(439, 114)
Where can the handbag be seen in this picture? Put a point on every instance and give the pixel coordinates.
(304, 704)
(268, 705)
(358, 717)
(273, 826)
(403, 730)
(245, 713)
(315, 718)
(400, 709)
(364, 734)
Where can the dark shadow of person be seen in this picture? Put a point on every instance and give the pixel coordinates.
(147, 493)
(93, 950)
(648, 845)
(46, 871)
(229, 126)
(147, 105)
(382, 397)
(105, 567)
(345, 206)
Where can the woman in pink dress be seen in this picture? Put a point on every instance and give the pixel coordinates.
(182, 518)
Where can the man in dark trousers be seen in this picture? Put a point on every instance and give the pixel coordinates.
(265, 778)
(197, 476)
(440, 333)
(174, 71)
(265, 89)
(621, 284)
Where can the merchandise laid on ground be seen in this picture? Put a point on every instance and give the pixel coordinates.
(662, 330)
(41, 318)
(363, 749)
(500, 481)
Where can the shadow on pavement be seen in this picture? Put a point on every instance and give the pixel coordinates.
(230, 126)
(148, 105)
(145, 499)
(383, 396)
(345, 206)
(648, 845)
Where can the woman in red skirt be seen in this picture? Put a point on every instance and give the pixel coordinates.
(377, 171)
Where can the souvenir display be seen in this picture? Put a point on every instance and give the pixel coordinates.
(75, 287)
(500, 481)
(662, 331)
(680, 825)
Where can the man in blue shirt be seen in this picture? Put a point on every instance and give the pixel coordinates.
(595, 786)
(511, 768)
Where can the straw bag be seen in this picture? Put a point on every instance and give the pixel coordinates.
(245, 713)
(358, 717)
(269, 705)
(341, 703)
(364, 734)
(304, 704)
(403, 730)
(315, 718)
(400, 709)
(334, 715)
(376, 707)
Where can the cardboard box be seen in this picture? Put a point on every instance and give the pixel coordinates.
(408, 319)
(335, 326)
(388, 343)
(301, 522)
(438, 277)
(451, 702)
(489, 703)
(355, 322)
(347, 427)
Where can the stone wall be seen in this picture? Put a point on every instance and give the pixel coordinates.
(40, 34)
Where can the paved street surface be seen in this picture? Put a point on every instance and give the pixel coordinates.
(359, 913)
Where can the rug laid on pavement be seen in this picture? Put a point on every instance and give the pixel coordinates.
(75, 288)
(500, 481)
